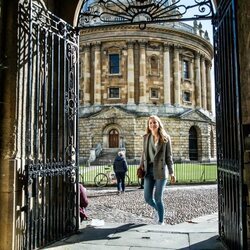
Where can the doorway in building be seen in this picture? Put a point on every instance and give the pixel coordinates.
(193, 144)
(113, 138)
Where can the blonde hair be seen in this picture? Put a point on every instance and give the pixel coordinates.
(164, 137)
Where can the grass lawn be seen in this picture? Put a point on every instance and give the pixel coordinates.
(184, 172)
(190, 172)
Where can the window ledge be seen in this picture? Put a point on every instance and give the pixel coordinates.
(114, 75)
(187, 80)
(187, 102)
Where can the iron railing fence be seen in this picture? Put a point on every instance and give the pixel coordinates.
(186, 172)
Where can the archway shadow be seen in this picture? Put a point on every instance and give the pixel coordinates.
(212, 243)
(91, 233)
(109, 192)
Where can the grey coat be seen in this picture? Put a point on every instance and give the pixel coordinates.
(163, 162)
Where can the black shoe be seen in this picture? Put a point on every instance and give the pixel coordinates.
(141, 187)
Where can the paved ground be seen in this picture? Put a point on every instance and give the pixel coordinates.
(182, 203)
(114, 232)
(200, 234)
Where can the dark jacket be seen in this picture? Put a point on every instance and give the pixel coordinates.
(120, 165)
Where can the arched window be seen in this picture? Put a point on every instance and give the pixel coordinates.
(212, 144)
(113, 138)
(81, 67)
(185, 69)
(154, 65)
(114, 64)
(193, 144)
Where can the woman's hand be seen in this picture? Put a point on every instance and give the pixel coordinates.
(172, 179)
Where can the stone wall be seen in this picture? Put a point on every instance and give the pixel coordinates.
(131, 128)
(149, 59)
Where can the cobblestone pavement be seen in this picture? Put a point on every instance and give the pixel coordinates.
(182, 203)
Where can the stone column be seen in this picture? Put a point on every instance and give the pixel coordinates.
(131, 73)
(97, 75)
(142, 77)
(209, 95)
(177, 93)
(86, 75)
(203, 84)
(166, 75)
(81, 74)
(12, 123)
(197, 80)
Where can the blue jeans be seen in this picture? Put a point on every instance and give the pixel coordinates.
(155, 199)
(120, 176)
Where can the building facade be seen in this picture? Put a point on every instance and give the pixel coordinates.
(128, 73)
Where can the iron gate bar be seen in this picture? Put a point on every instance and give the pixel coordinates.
(228, 126)
(48, 64)
(141, 12)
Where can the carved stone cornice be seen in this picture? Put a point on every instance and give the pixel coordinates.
(166, 47)
(97, 45)
(86, 47)
(143, 43)
(177, 47)
(130, 44)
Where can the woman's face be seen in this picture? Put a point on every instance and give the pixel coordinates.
(153, 125)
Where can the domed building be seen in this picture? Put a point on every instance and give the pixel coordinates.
(128, 73)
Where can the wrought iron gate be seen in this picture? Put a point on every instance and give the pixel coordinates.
(229, 134)
(48, 71)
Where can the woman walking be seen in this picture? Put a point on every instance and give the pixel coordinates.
(156, 160)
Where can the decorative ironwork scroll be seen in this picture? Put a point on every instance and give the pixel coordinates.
(142, 12)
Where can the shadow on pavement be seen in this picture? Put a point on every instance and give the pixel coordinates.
(212, 243)
(91, 233)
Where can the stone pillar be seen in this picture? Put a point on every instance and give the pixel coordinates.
(203, 84)
(142, 77)
(166, 75)
(10, 186)
(209, 95)
(197, 80)
(97, 74)
(81, 74)
(177, 93)
(131, 73)
(86, 75)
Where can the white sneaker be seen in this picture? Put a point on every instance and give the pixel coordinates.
(156, 216)
(161, 223)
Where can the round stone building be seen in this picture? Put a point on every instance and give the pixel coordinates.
(128, 74)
